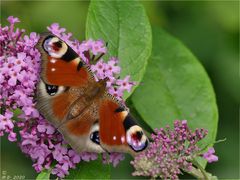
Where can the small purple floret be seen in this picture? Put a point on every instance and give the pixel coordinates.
(210, 156)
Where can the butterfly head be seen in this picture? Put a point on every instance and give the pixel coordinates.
(54, 46)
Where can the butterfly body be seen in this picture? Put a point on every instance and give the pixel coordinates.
(89, 118)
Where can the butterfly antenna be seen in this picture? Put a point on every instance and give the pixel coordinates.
(92, 59)
(98, 58)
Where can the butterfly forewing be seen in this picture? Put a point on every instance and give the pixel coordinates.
(60, 64)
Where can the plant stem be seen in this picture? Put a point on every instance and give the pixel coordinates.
(196, 173)
(205, 176)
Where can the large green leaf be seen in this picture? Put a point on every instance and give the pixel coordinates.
(90, 170)
(176, 86)
(125, 26)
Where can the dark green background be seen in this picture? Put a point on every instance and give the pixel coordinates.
(210, 29)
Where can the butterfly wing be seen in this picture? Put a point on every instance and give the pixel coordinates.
(61, 65)
(119, 131)
(63, 93)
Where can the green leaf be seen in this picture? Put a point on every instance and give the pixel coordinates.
(176, 86)
(44, 175)
(90, 170)
(125, 26)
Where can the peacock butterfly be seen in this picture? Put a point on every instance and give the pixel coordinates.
(89, 118)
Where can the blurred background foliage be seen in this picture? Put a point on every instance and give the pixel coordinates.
(210, 29)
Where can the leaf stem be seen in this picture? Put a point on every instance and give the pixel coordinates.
(207, 146)
(205, 176)
(196, 173)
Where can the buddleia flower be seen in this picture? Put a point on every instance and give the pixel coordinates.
(20, 69)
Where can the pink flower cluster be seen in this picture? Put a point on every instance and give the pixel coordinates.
(170, 152)
(20, 68)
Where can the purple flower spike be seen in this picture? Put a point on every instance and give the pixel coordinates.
(170, 152)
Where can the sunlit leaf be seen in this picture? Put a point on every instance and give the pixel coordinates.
(125, 26)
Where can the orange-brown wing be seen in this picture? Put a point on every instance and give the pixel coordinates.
(60, 64)
(73, 115)
(61, 94)
(81, 132)
(118, 130)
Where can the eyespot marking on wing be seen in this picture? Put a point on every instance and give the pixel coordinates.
(94, 139)
(136, 139)
(135, 136)
(94, 135)
(55, 47)
(50, 90)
